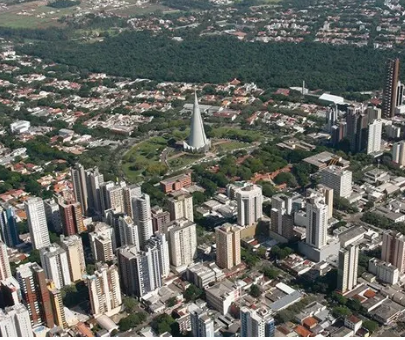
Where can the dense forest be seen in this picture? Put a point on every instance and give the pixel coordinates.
(221, 58)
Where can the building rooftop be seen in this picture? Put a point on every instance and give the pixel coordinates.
(173, 179)
(222, 289)
(352, 233)
(323, 159)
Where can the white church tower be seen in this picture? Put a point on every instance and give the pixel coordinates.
(197, 141)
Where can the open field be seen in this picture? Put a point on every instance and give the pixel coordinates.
(229, 146)
(36, 14)
(183, 160)
(237, 134)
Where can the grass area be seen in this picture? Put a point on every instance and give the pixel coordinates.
(143, 159)
(133, 10)
(36, 15)
(230, 146)
(183, 160)
(237, 134)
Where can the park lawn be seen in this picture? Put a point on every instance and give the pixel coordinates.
(143, 156)
(232, 145)
(183, 160)
(236, 133)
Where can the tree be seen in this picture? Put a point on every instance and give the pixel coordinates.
(354, 305)
(371, 325)
(192, 293)
(339, 298)
(131, 321)
(341, 311)
(198, 198)
(270, 272)
(90, 269)
(130, 304)
(171, 302)
(286, 177)
(255, 291)
(162, 323)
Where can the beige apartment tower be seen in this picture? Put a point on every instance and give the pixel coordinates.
(74, 249)
(57, 305)
(181, 206)
(347, 269)
(228, 246)
(393, 249)
(5, 271)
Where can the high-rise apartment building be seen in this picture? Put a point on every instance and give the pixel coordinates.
(56, 266)
(128, 193)
(71, 218)
(115, 199)
(373, 113)
(104, 290)
(202, 325)
(347, 269)
(15, 322)
(73, 247)
(181, 206)
(142, 217)
(102, 242)
(374, 136)
(328, 195)
(391, 88)
(281, 215)
(317, 214)
(35, 293)
(35, 210)
(182, 237)
(104, 187)
(94, 180)
(139, 271)
(357, 128)
(228, 246)
(256, 322)
(5, 271)
(400, 94)
(80, 187)
(159, 218)
(52, 213)
(7, 326)
(128, 232)
(338, 132)
(57, 305)
(393, 249)
(250, 202)
(10, 292)
(338, 179)
(398, 153)
(8, 226)
(159, 242)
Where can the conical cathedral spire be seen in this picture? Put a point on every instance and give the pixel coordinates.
(197, 141)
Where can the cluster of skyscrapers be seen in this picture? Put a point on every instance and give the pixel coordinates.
(361, 126)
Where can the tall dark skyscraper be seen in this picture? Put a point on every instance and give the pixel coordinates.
(391, 88)
(8, 226)
(357, 128)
